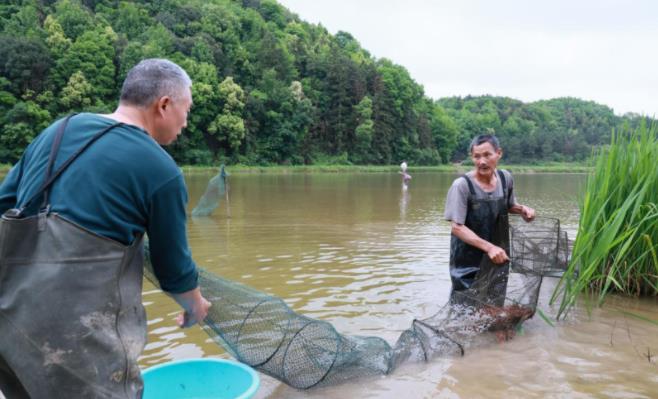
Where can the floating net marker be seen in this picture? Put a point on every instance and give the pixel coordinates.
(263, 332)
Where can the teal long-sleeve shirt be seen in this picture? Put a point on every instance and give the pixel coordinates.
(122, 186)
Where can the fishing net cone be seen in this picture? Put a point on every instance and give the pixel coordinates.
(215, 191)
(262, 331)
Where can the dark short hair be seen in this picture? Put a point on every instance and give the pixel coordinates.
(152, 79)
(485, 138)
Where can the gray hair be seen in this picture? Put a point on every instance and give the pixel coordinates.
(485, 138)
(152, 79)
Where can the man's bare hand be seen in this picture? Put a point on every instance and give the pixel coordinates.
(527, 213)
(188, 319)
(497, 255)
(195, 308)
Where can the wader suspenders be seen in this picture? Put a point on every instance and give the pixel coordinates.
(503, 182)
(51, 177)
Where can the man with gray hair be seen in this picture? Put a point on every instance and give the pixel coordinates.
(75, 210)
(477, 207)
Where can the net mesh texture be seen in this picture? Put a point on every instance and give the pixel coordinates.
(263, 332)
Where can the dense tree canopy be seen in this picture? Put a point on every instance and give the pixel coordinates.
(561, 129)
(268, 87)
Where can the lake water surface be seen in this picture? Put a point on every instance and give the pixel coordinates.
(361, 253)
(358, 251)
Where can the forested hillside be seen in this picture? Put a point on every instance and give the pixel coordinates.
(268, 87)
(561, 129)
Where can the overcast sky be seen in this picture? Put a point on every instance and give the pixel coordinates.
(600, 50)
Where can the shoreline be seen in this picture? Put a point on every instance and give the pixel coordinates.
(451, 168)
(565, 168)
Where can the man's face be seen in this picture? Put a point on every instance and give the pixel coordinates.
(173, 117)
(485, 159)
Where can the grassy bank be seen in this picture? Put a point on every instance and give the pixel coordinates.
(616, 249)
(451, 168)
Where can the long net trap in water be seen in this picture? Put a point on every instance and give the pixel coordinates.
(263, 332)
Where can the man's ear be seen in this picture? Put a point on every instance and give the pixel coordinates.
(163, 103)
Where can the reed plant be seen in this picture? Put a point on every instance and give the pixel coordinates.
(617, 242)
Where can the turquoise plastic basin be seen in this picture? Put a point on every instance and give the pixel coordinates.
(200, 379)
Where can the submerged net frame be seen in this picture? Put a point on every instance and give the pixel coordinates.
(263, 332)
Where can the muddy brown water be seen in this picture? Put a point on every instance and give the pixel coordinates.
(358, 251)
(362, 253)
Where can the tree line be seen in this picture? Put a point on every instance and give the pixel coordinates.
(561, 129)
(268, 87)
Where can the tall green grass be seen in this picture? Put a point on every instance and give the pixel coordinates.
(617, 243)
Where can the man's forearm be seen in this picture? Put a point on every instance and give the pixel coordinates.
(469, 237)
(526, 212)
(517, 209)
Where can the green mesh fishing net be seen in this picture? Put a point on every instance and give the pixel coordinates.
(263, 332)
(211, 198)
